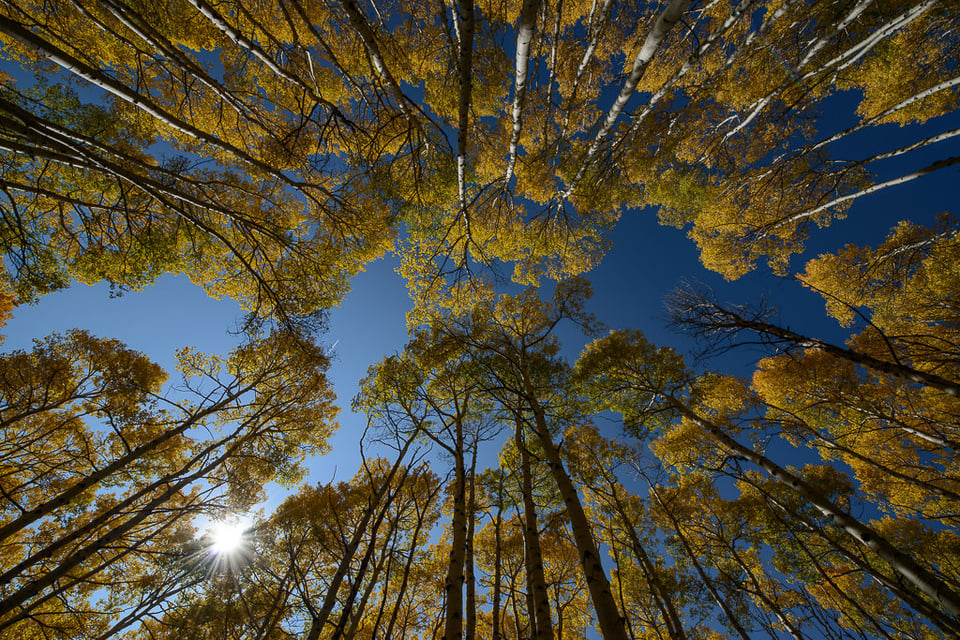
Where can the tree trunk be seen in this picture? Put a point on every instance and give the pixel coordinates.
(540, 600)
(608, 615)
(670, 16)
(732, 618)
(657, 588)
(453, 624)
(525, 27)
(470, 630)
(30, 516)
(495, 632)
(320, 619)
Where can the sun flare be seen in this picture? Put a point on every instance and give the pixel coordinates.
(227, 537)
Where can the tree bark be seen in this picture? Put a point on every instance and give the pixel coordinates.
(525, 28)
(540, 600)
(611, 622)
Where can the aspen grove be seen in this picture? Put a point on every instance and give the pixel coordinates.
(526, 472)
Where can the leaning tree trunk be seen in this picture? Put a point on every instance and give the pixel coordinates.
(608, 614)
(920, 577)
(44, 509)
(705, 315)
(732, 617)
(659, 591)
(320, 619)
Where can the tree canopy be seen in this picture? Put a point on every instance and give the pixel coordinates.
(526, 472)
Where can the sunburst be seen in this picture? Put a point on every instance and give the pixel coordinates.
(227, 537)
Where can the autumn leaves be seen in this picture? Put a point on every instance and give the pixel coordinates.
(271, 150)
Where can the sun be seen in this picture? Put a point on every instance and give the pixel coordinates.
(227, 537)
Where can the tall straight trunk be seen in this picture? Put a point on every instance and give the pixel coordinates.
(277, 609)
(68, 565)
(453, 623)
(525, 27)
(384, 593)
(498, 522)
(821, 440)
(186, 582)
(906, 102)
(369, 40)
(465, 20)
(612, 624)
(595, 30)
(470, 631)
(670, 16)
(817, 45)
(743, 9)
(518, 630)
(540, 600)
(64, 581)
(920, 577)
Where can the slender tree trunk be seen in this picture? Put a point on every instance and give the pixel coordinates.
(238, 39)
(935, 615)
(766, 230)
(277, 609)
(67, 565)
(608, 615)
(369, 40)
(760, 593)
(453, 624)
(498, 523)
(144, 103)
(465, 20)
(863, 124)
(64, 581)
(320, 619)
(670, 16)
(414, 547)
(732, 618)
(540, 600)
(596, 30)
(821, 440)
(173, 482)
(470, 630)
(30, 516)
(705, 315)
(355, 615)
(657, 588)
(525, 28)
